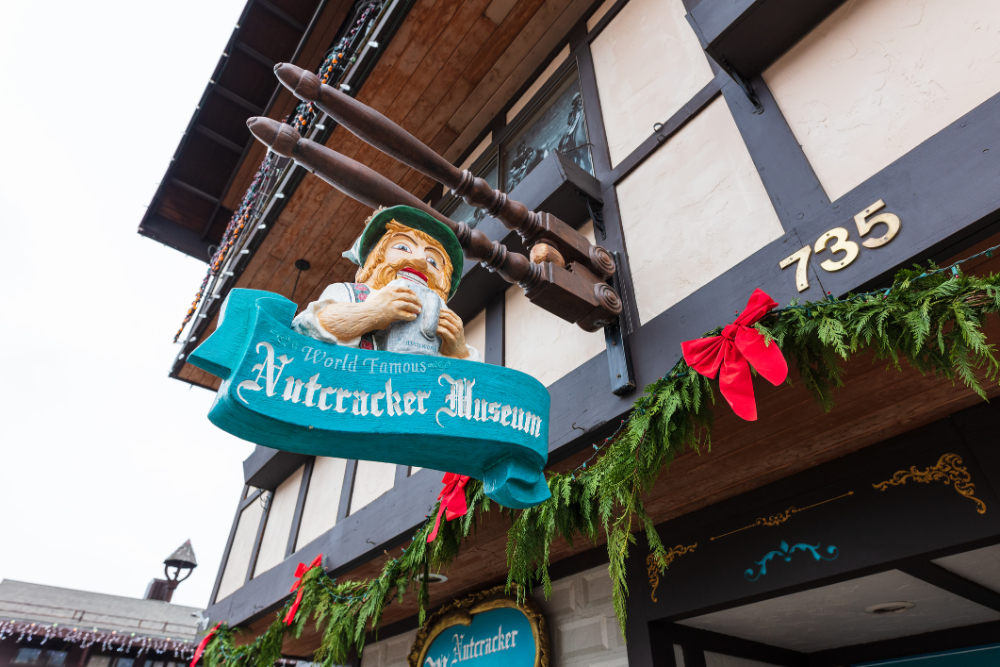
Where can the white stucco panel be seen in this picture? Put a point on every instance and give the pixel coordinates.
(274, 543)
(878, 77)
(235, 573)
(540, 344)
(636, 88)
(371, 480)
(694, 209)
(475, 333)
(319, 514)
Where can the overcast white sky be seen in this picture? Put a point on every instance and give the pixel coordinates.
(106, 464)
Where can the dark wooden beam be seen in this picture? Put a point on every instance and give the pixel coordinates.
(696, 641)
(789, 179)
(693, 656)
(346, 491)
(193, 190)
(281, 14)
(170, 233)
(260, 533)
(496, 330)
(236, 99)
(670, 126)
(266, 468)
(402, 472)
(929, 642)
(255, 55)
(300, 502)
(229, 547)
(749, 35)
(936, 575)
(219, 139)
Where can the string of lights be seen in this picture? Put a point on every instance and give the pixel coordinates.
(334, 66)
(124, 642)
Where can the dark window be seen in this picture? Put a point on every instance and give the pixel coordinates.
(56, 658)
(28, 656)
(557, 124)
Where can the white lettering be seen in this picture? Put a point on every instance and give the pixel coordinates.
(376, 410)
(341, 395)
(322, 398)
(505, 413)
(408, 399)
(311, 388)
(421, 395)
(266, 366)
(360, 406)
(314, 354)
(392, 400)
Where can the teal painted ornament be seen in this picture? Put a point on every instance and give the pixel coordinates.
(287, 391)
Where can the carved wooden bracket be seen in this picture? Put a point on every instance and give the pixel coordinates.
(568, 295)
(591, 263)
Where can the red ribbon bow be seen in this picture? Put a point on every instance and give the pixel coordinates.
(300, 572)
(739, 343)
(452, 499)
(204, 644)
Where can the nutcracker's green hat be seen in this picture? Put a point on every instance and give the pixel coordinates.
(416, 219)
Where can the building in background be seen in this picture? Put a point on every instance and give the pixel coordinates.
(716, 147)
(62, 627)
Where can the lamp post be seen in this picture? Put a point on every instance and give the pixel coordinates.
(183, 563)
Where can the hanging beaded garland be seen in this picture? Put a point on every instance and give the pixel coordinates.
(333, 67)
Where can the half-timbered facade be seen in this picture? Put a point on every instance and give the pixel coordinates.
(714, 147)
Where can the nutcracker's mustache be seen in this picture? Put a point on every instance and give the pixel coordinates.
(390, 271)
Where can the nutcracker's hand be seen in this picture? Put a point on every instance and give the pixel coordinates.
(452, 335)
(392, 304)
(347, 321)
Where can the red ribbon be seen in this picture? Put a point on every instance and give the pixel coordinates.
(204, 644)
(739, 343)
(300, 572)
(452, 499)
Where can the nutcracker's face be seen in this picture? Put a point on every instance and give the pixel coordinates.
(411, 254)
(421, 262)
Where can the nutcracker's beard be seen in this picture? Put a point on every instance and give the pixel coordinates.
(387, 272)
(377, 272)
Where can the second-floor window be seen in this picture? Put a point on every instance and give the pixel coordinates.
(557, 124)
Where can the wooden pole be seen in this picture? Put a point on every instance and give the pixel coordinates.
(390, 138)
(568, 295)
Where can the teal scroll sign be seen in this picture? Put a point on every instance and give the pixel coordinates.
(496, 638)
(287, 391)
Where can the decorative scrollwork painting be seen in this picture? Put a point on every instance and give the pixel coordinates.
(786, 552)
(949, 470)
(781, 517)
(653, 566)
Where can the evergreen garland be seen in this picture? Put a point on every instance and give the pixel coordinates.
(931, 319)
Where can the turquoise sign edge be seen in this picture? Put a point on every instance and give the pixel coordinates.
(429, 418)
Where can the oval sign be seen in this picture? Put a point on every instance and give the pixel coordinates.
(488, 629)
